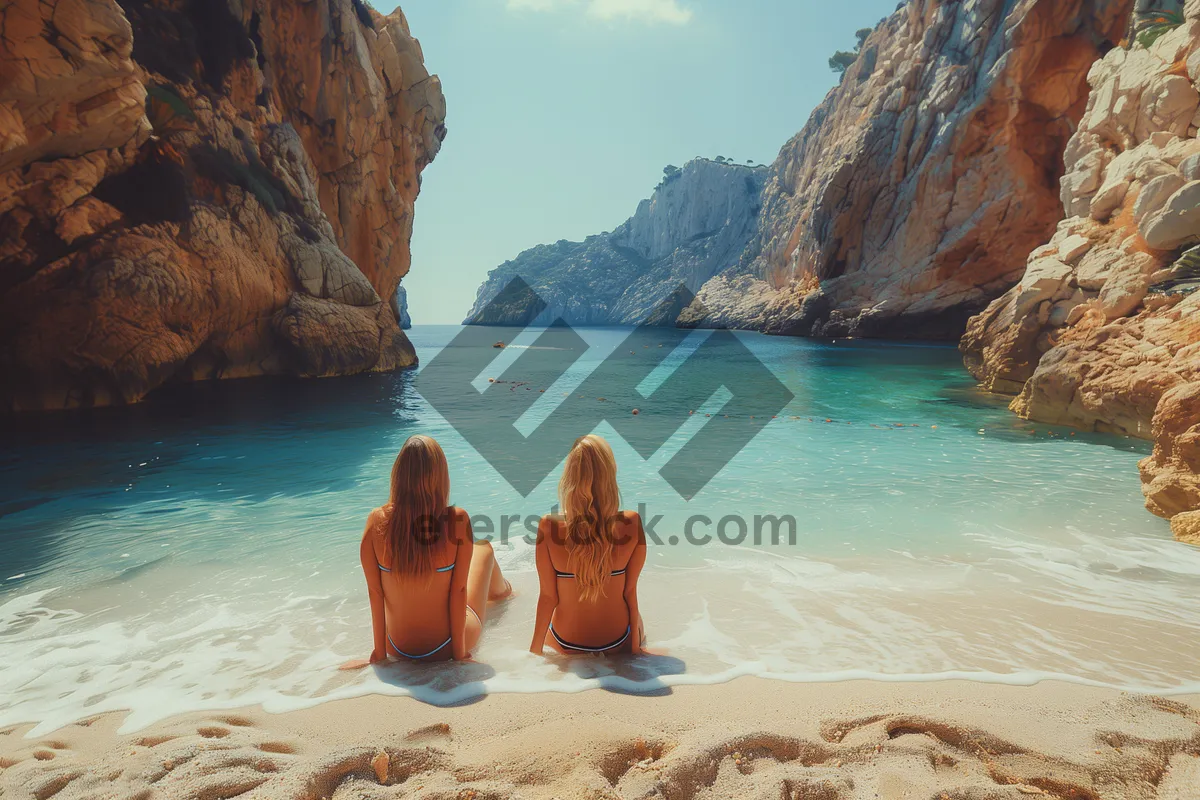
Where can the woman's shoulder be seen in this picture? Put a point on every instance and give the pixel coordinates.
(549, 529)
(378, 518)
(631, 522)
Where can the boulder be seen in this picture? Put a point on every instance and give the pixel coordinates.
(1186, 527)
(1177, 222)
(198, 191)
(1171, 474)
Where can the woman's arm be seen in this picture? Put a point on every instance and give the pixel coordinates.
(548, 584)
(636, 562)
(374, 589)
(460, 532)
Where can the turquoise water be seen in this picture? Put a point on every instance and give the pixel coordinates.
(200, 550)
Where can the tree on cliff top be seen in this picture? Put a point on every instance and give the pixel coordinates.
(840, 61)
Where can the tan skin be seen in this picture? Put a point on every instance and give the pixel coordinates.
(589, 623)
(418, 614)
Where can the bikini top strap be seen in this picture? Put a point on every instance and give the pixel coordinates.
(448, 568)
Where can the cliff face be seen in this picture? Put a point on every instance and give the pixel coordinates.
(192, 189)
(1103, 329)
(695, 224)
(896, 210)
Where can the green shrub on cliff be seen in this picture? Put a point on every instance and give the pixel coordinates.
(1155, 24)
(840, 61)
(221, 166)
(167, 111)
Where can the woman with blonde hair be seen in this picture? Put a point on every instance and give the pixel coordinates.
(428, 580)
(588, 561)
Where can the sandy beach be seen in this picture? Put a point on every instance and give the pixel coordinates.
(856, 740)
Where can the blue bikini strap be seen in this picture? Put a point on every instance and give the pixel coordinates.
(447, 568)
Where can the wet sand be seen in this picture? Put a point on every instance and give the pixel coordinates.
(750, 738)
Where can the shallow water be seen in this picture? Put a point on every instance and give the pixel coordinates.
(200, 550)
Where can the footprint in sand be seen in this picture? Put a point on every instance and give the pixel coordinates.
(213, 732)
(236, 722)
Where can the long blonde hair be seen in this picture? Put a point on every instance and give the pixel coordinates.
(416, 520)
(590, 500)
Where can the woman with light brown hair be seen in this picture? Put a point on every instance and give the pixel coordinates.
(428, 580)
(589, 559)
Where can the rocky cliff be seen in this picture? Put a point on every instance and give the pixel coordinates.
(1103, 329)
(695, 224)
(896, 211)
(193, 189)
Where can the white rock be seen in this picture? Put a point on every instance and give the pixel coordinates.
(1172, 46)
(1094, 268)
(1190, 166)
(1061, 311)
(1126, 286)
(1162, 139)
(1078, 185)
(1073, 247)
(1177, 222)
(1168, 105)
(1193, 67)
(1151, 168)
(1180, 149)
(1043, 278)
(1043, 251)
(1155, 194)
(1117, 176)
(1108, 198)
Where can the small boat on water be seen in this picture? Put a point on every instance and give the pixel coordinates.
(501, 345)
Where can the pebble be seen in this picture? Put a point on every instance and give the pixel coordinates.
(380, 764)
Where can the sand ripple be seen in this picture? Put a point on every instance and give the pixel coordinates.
(1123, 747)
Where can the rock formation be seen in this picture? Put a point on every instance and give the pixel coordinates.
(192, 189)
(1103, 329)
(695, 224)
(400, 308)
(896, 210)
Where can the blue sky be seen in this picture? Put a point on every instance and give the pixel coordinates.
(562, 113)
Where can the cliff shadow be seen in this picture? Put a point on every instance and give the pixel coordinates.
(221, 442)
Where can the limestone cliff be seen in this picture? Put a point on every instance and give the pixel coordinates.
(194, 189)
(1103, 329)
(896, 210)
(694, 225)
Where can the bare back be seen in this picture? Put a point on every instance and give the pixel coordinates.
(417, 608)
(602, 620)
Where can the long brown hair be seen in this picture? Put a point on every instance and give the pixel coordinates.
(590, 499)
(416, 522)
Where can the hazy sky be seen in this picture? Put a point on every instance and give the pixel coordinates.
(562, 113)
